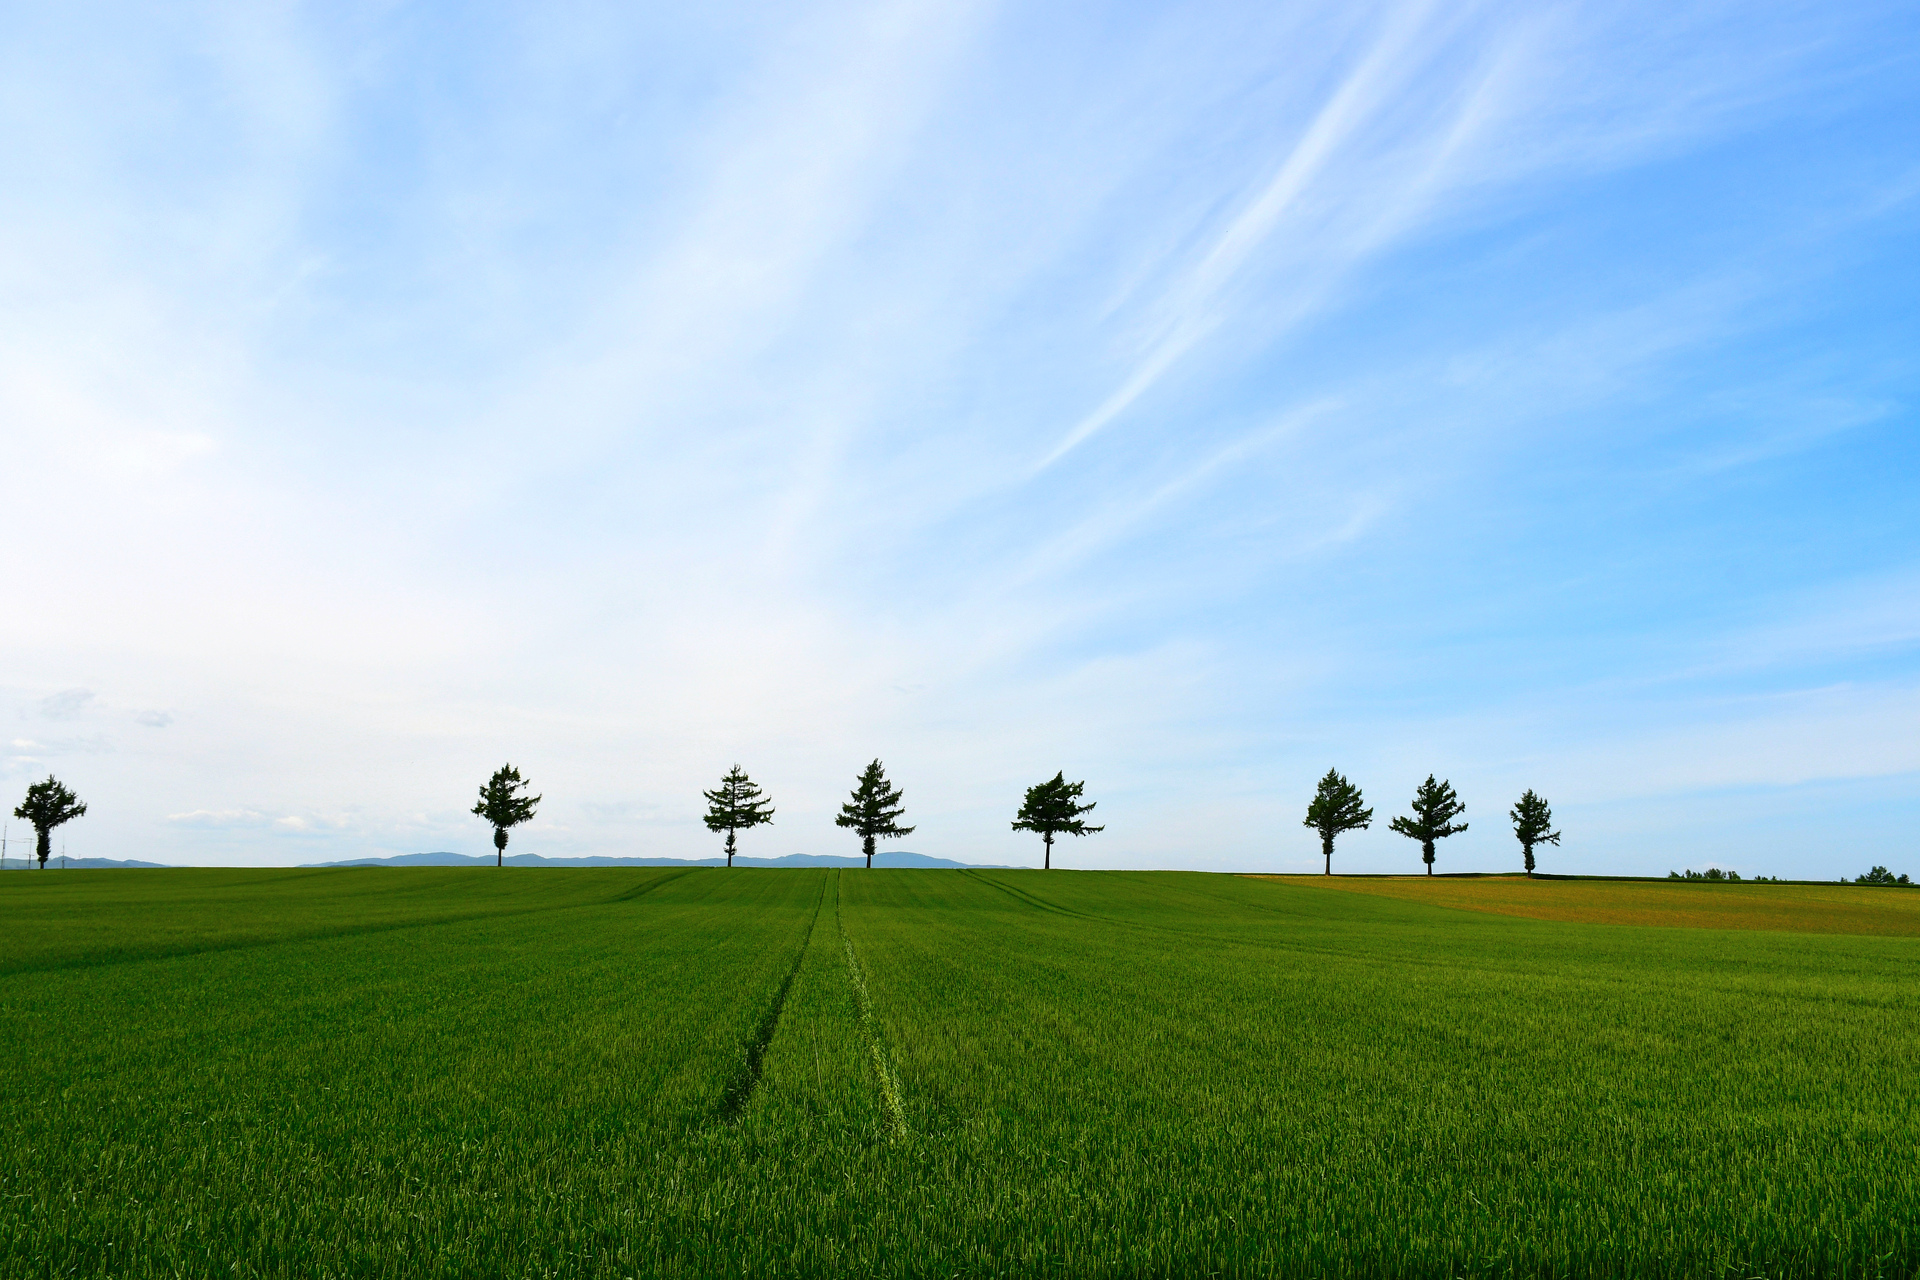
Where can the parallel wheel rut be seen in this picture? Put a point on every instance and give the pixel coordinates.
(746, 1077)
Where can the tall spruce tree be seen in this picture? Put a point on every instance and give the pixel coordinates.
(1532, 825)
(1435, 806)
(874, 811)
(736, 805)
(1053, 808)
(502, 805)
(1336, 809)
(48, 805)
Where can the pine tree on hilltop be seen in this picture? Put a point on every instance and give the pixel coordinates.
(1052, 808)
(1435, 806)
(1336, 809)
(736, 805)
(48, 805)
(874, 810)
(502, 805)
(1532, 824)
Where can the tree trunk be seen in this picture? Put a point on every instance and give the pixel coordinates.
(1047, 864)
(1326, 847)
(867, 848)
(45, 846)
(729, 848)
(499, 846)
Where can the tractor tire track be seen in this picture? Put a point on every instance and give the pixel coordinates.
(642, 890)
(746, 1077)
(1036, 902)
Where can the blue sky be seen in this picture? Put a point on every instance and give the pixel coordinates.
(1187, 397)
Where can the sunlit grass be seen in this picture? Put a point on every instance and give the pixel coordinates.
(1687, 904)
(605, 1073)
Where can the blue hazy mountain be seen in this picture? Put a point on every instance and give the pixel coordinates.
(890, 859)
(15, 863)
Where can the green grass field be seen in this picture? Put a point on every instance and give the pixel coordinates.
(608, 1073)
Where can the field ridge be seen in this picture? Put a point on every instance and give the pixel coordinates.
(876, 1051)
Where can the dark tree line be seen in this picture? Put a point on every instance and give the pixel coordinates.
(1338, 807)
(1052, 808)
(873, 811)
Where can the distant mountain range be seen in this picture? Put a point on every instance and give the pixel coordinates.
(535, 860)
(81, 864)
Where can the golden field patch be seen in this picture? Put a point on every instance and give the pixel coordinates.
(1689, 904)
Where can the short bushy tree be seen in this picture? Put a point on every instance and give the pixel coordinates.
(1532, 825)
(1053, 808)
(1336, 809)
(874, 810)
(48, 805)
(503, 805)
(736, 805)
(1879, 875)
(1435, 806)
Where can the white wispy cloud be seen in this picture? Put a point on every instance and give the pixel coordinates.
(218, 818)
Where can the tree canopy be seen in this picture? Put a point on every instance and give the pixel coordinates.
(1435, 806)
(1532, 825)
(874, 810)
(49, 804)
(1053, 808)
(736, 805)
(1335, 809)
(502, 804)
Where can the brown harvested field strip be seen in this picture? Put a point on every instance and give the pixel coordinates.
(1789, 908)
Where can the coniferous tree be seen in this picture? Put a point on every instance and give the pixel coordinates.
(874, 811)
(1532, 824)
(48, 805)
(502, 805)
(736, 805)
(1336, 809)
(1053, 808)
(1435, 806)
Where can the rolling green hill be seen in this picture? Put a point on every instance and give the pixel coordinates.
(694, 1072)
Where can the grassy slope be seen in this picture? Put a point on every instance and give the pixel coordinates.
(402, 1101)
(1073, 1073)
(1183, 1070)
(1687, 904)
